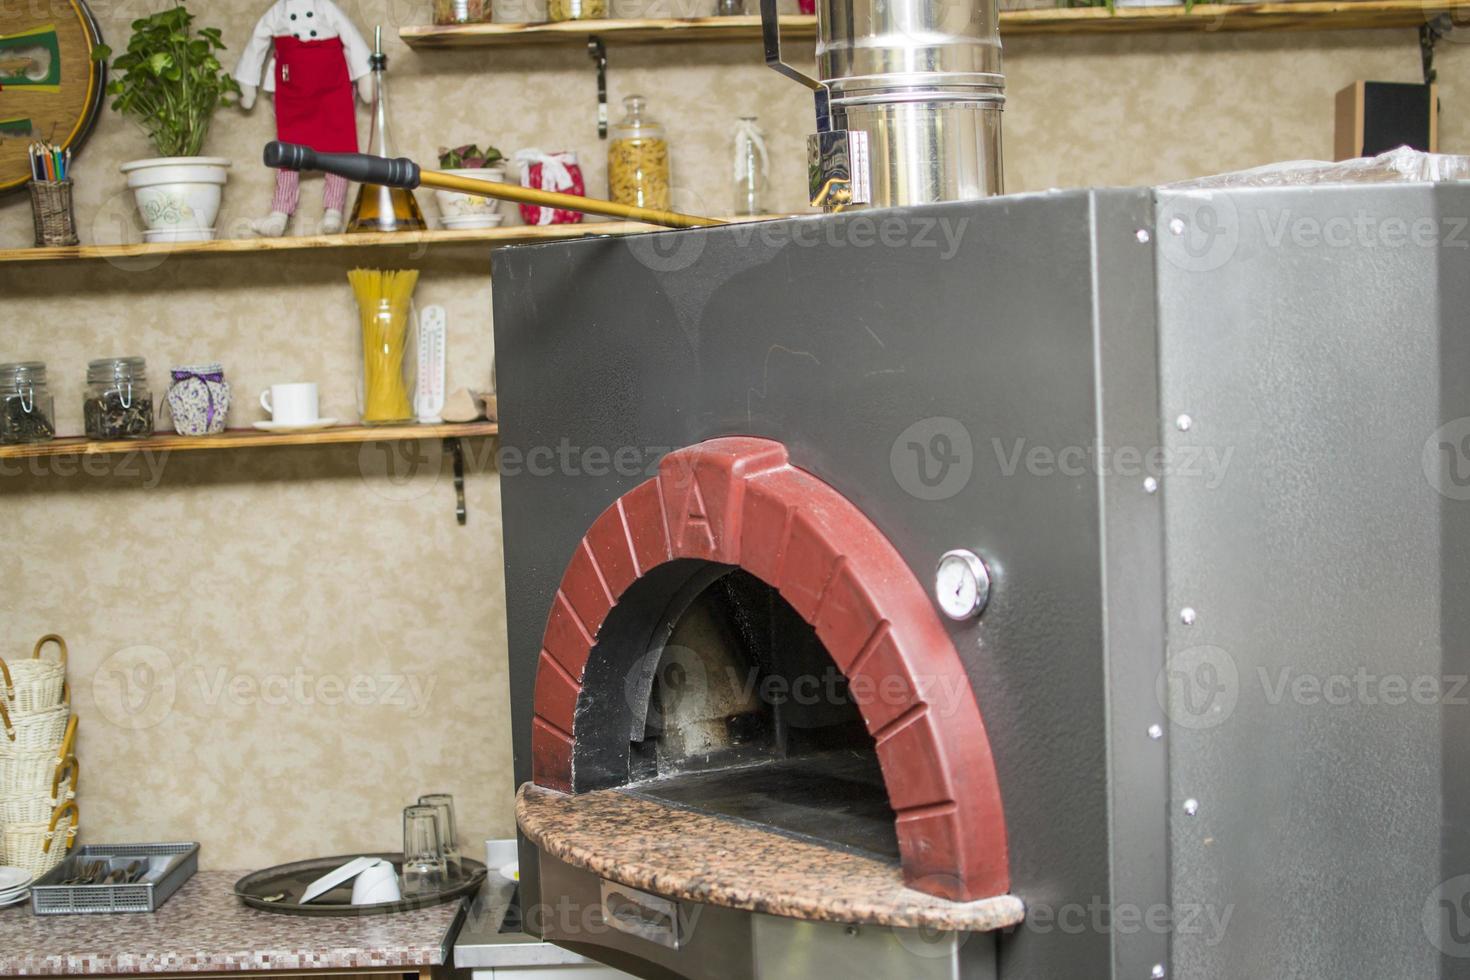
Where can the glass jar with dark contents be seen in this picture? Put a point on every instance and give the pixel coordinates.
(27, 410)
(118, 404)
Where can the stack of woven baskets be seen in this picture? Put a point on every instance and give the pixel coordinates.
(38, 763)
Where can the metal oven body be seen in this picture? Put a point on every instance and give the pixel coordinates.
(1218, 469)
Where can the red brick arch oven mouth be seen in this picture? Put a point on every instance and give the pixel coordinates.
(739, 503)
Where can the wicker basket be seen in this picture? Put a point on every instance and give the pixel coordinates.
(23, 772)
(39, 847)
(33, 807)
(51, 207)
(34, 685)
(38, 732)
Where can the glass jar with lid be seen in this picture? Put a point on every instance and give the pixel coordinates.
(27, 410)
(638, 159)
(118, 402)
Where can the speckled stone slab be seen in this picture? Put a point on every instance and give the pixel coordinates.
(203, 928)
(682, 854)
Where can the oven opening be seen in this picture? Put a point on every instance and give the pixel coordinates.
(747, 716)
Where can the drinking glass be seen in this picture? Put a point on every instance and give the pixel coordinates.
(443, 805)
(424, 868)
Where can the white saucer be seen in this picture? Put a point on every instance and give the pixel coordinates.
(295, 426)
(13, 878)
(16, 900)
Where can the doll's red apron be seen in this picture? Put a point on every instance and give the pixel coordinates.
(314, 95)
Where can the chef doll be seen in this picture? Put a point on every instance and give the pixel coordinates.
(318, 56)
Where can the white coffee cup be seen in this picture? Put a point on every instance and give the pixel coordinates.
(291, 404)
(377, 883)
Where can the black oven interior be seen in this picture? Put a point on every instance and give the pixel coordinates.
(708, 690)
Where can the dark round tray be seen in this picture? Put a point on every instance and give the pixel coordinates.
(291, 880)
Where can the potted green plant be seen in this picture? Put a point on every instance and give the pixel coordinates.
(459, 210)
(171, 81)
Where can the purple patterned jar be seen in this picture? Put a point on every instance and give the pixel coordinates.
(198, 399)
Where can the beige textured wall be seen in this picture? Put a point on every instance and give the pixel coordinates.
(215, 602)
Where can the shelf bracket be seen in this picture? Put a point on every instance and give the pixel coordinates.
(597, 51)
(455, 449)
(1430, 33)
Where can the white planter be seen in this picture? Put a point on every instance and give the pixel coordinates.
(178, 197)
(459, 210)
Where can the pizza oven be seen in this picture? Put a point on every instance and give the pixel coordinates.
(908, 592)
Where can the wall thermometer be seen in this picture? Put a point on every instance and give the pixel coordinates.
(433, 331)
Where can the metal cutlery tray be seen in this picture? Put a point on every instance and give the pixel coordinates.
(169, 866)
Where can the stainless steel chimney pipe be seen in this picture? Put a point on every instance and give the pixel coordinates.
(909, 97)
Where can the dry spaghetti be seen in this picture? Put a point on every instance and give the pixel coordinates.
(383, 307)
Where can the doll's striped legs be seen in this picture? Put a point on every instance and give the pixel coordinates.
(288, 195)
(334, 194)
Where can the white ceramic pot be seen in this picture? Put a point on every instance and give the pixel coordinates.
(459, 210)
(178, 197)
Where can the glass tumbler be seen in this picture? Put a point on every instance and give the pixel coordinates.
(443, 805)
(424, 869)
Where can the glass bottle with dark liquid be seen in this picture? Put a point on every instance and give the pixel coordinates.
(383, 208)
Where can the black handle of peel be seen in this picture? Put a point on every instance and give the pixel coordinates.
(361, 167)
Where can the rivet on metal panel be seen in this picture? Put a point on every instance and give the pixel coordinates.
(1157, 973)
(1155, 732)
(1191, 807)
(1176, 226)
(1150, 485)
(1187, 616)
(1143, 236)
(1184, 423)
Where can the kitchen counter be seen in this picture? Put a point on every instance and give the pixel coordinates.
(204, 928)
(683, 854)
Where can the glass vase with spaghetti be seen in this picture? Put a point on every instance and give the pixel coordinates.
(385, 309)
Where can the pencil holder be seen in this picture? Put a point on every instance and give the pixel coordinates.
(56, 222)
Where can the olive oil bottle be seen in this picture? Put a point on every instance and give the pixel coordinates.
(383, 208)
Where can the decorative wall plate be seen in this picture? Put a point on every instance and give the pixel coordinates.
(50, 88)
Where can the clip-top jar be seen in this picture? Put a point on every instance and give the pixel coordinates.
(118, 403)
(27, 410)
(638, 160)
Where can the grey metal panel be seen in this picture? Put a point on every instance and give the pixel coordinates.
(788, 949)
(1319, 554)
(1129, 472)
(1452, 477)
(857, 355)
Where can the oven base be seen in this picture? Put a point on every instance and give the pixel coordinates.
(707, 942)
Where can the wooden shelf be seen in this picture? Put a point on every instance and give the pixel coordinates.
(513, 235)
(1303, 16)
(234, 439)
(642, 31)
(490, 237)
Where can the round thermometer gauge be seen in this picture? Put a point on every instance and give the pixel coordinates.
(961, 585)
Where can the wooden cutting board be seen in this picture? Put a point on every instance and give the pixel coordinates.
(50, 88)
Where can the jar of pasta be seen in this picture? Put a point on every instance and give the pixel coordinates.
(638, 160)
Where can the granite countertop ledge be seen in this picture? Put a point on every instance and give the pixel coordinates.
(682, 854)
(204, 928)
